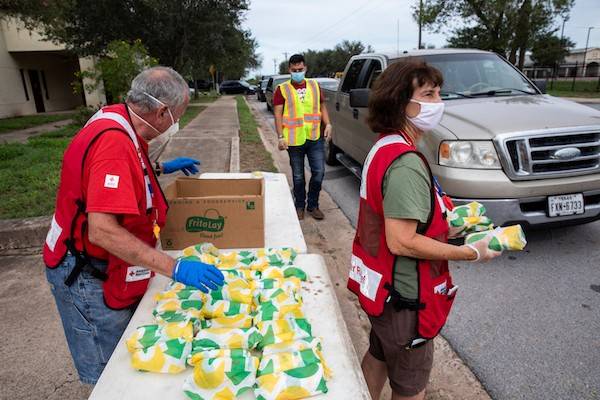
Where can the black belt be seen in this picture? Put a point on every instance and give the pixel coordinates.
(82, 262)
(402, 303)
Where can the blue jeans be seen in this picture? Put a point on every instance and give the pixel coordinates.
(314, 150)
(92, 329)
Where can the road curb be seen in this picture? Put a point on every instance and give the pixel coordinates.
(234, 155)
(23, 234)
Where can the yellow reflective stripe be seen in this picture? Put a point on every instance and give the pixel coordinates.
(314, 119)
(291, 105)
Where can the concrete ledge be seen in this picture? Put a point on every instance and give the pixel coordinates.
(22, 234)
(234, 158)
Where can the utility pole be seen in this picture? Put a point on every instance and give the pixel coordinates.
(285, 54)
(275, 66)
(420, 21)
(587, 42)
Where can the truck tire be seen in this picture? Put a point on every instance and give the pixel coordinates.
(330, 153)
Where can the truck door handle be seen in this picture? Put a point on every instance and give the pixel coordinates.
(355, 113)
(337, 106)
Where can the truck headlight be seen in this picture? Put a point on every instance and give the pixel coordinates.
(476, 154)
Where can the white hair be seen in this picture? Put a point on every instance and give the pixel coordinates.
(163, 83)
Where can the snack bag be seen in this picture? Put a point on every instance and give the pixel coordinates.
(466, 219)
(279, 304)
(176, 310)
(226, 338)
(283, 330)
(235, 321)
(297, 383)
(161, 348)
(221, 375)
(224, 308)
(286, 271)
(508, 238)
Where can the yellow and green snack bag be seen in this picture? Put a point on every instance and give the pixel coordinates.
(176, 310)
(221, 375)
(278, 304)
(161, 348)
(508, 238)
(226, 338)
(292, 384)
(466, 219)
(224, 308)
(235, 321)
(180, 291)
(286, 271)
(283, 330)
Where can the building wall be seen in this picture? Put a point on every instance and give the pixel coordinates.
(25, 50)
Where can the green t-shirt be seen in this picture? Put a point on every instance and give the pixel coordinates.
(407, 195)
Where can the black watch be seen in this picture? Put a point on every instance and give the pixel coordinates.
(157, 168)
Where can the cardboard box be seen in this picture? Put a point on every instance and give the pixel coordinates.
(229, 213)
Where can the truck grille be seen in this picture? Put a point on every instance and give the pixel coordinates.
(552, 154)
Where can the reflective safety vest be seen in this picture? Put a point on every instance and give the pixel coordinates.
(301, 119)
(124, 284)
(372, 263)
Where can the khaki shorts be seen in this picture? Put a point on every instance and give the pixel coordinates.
(408, 370)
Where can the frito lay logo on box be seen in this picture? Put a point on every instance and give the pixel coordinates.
(212, 221)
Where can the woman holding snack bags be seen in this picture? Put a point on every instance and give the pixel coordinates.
(400, 253)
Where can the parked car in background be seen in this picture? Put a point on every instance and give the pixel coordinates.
(274, 81)
(235, 87)
(260, 90)
(251, 89)
(529, 158)
(328, 83)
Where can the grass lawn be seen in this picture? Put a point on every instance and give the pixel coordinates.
(253, 155)
(30, 172)
(28, 121)
(561, 88)
(205, 98)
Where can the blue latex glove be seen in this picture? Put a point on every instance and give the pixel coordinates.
(198, 274)
(187, 165)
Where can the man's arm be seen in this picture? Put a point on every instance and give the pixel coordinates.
(325, 120)
(104, 231)
(278, 111)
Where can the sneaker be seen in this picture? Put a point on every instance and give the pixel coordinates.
(316, 214)
(300, 213)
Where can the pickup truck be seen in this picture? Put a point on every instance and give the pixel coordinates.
(528, 157)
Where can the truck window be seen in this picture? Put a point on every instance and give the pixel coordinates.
(351, 78)
(373, 72)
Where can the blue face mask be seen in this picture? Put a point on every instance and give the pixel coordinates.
(298, 76)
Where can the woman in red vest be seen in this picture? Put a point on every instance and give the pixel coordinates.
(400, 253)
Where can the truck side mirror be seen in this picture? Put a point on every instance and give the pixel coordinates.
(541, 84)
(359, 98)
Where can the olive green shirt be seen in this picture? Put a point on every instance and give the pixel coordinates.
(407, 195)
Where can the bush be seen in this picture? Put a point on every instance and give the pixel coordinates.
(82, 114)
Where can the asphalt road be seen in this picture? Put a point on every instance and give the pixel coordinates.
(527, 323)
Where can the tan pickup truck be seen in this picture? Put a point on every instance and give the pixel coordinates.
(529, 157)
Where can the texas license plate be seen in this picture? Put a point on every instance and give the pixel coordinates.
(565, 204)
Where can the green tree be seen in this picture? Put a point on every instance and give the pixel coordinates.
(549, 50)
(188, 35)
(329, 61)
(116, 68)
(507, 27)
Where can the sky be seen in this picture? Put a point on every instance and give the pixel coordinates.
(285, 26)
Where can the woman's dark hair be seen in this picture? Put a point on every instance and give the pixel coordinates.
(393, 90)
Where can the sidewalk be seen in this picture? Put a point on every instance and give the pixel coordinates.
(36, 363)
(212, 137)
(332, 238)
(22, 135)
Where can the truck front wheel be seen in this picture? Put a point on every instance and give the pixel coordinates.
(330, 153)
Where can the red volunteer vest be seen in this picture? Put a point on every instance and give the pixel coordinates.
(372, 270)
(124, 284)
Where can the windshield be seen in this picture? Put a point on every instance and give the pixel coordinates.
(263, 84)
(279, 81)
(475, 75)
(330, 84)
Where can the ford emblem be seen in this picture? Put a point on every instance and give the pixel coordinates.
(567, 153)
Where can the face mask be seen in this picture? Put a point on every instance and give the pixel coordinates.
(429, 116)
(298, 76)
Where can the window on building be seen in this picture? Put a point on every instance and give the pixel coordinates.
(24, 84)
(45, 86)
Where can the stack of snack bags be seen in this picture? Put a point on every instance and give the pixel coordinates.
(258, 309)
(469, 220)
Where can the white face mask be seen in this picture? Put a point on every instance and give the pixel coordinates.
(429, 116)
(171, 130)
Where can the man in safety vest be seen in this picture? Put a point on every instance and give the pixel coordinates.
(100, 250)
(300, 112)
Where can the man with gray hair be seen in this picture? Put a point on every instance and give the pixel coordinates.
(100, 249)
